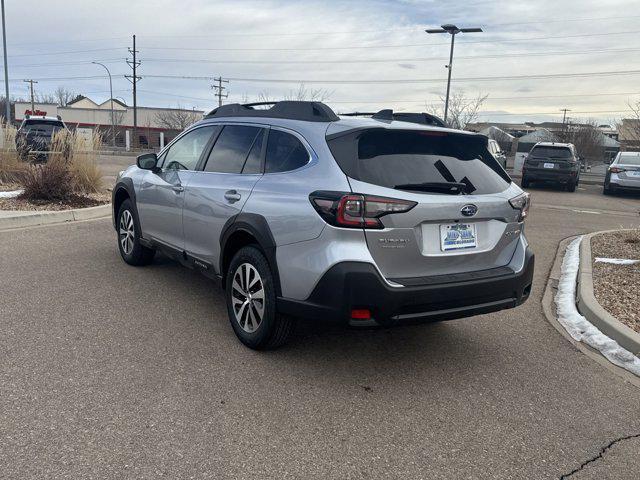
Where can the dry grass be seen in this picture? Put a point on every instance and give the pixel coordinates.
(70, 170)
(49, 181)
(12, 169)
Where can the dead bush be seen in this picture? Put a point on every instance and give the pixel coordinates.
(12, 168)
(51, 181)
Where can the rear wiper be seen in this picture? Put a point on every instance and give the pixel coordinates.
(451, 188)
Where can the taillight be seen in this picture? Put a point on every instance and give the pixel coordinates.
(616, 169)
(354, 210)
(522, 202)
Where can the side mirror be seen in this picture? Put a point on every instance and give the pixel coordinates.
(147, 161)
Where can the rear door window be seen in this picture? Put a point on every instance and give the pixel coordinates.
(392, 158)
(284, 152)
(233, 148)
(46, 127)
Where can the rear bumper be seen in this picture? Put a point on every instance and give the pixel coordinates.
(548, 175)
(626, 183)
(354, 285)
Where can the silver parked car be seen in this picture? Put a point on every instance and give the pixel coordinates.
(623, 173)
(301, 213)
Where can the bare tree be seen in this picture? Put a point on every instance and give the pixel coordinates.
(176, 119)
(629, 128)
(310, 94)
(587, 138)
(64, 96)
(462, 109)
(45, 98)
(301, 93)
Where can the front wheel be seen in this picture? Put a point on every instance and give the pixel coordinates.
(251, 302)
(131, 250)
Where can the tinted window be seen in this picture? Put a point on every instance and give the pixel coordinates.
(42, 126)
(253, 163)
(551, 152)
(231, 149)
(398, 157)
(284, 152)
(185, 153)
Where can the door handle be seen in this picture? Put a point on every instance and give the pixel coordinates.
(178, 188)
(232, 196)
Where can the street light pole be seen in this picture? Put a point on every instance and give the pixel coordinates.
(453, 31)
(113, 121)
(6, 70)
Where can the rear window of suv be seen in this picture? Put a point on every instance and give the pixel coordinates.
(391, 158)
(629, 159)
(551, 152)
(42, 126)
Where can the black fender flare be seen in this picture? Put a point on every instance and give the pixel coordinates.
(125, 184)
(257, 226)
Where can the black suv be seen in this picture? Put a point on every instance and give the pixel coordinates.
(35, 135)
(552, 162)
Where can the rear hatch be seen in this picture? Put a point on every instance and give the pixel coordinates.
(462, 220)
(38, 133)
(550, 159)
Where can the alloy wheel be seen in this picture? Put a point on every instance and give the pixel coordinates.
(127, 232)
(247, 297)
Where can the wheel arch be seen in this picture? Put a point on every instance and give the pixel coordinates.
(248, 229)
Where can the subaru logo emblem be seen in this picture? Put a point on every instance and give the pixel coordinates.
(469, 210)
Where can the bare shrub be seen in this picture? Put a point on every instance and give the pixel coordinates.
(83, 165)
(50, 181)
(71, 169)
(12, 168)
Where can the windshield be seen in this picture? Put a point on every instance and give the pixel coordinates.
(551, 152)
(42, 126)
(402, 158)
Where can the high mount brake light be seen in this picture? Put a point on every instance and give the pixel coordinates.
(354, 210)
(522, 202)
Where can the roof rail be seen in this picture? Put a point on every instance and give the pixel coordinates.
(411, 117)
(287, 109)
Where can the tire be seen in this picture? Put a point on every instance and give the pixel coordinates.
(131, 250)
(252, 311)
(606, 189)
(571, 186)
(524, 183)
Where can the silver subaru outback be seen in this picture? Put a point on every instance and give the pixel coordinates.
(303, 214)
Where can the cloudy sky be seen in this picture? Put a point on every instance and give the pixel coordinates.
(533, 58)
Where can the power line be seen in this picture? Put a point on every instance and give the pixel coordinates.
(410, 80)
(69, 52)
(359, 47)
(389, 60)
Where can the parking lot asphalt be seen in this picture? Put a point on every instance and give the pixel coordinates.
(110, 371)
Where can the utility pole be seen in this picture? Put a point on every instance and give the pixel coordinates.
(219, 89)
(33, 106)
(7, 104)
(564, 123)
(564, 114)
(453, 31)
(134, 64)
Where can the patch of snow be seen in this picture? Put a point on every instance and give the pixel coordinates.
(578, 327)
(11, 194)
(617, 261)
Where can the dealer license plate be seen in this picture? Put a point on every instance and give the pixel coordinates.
(549, 165)
(457, 236)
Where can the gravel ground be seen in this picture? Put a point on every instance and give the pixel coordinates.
(616, 286)
(75, 201)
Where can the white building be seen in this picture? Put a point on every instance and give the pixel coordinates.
(84, 113)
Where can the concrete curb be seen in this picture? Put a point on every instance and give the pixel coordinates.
(593, 311)
(20, 219)
(549, 309)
